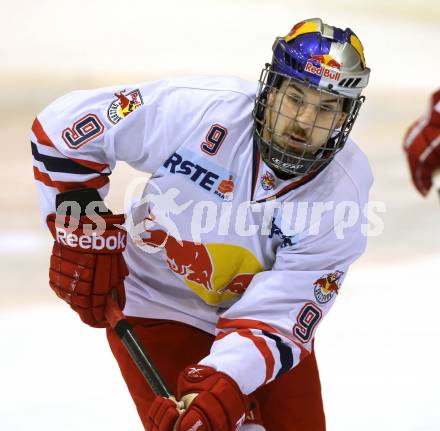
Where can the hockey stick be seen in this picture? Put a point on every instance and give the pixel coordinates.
(113, 313)
(126, 334)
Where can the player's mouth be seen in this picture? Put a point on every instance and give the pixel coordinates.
(296, 142)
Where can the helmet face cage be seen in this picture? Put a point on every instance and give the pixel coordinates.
(299, 162)
(275, 78)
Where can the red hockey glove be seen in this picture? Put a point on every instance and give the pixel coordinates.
(422, 146)
(86, 267)
(212, 399)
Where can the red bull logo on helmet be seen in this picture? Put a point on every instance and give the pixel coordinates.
(327, 286)
(123, 105)
(325, 60)
(322, 71)
(324, 65)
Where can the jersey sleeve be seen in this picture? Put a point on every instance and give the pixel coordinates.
(77, 140)
(272, 327)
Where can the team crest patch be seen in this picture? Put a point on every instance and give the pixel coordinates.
(124, 104)
(326, 286)
(267, 181)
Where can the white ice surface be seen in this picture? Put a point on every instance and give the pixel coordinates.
(378, 354)
(58, 374)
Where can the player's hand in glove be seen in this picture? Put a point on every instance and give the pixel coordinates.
(212, 400)
(422, 146)
(85, 268)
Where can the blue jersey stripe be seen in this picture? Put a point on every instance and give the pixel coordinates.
(56, 164)
(286, 356)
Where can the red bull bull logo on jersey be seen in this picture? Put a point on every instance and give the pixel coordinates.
(186, 258)
(123, 105)
(327, 286)
(238, 284)
(215, 272)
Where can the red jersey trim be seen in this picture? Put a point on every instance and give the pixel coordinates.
(255, 169)
(41, 135)
(221, 335)
(291, 186)
(234, 324)
(264, 349)
(62, 186)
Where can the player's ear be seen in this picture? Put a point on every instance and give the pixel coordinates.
(271, 97)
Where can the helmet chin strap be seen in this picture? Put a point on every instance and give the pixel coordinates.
(306, 164)
(284, 175)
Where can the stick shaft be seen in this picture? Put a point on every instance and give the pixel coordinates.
(129, 339)
(113, 313)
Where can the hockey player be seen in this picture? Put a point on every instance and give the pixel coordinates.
(226, 280)
(422, 146)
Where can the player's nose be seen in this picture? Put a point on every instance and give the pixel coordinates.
(307, 114)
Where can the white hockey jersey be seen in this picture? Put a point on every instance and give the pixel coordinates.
(217, 240)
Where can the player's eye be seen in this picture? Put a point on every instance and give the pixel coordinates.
(327, 108)
(294, 97)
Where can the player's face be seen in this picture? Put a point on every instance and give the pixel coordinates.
(301, 119)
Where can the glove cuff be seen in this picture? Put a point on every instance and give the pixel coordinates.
(106, 239)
